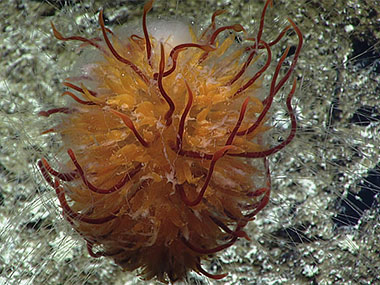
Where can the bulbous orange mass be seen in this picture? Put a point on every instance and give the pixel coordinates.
(166, 145)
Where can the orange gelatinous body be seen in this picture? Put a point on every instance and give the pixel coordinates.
(161, 148)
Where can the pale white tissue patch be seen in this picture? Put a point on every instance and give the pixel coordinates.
(170, 32)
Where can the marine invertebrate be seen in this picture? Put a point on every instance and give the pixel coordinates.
(160, 139)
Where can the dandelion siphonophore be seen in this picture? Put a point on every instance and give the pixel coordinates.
(166, 139)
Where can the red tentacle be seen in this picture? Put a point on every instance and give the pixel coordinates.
(264, 201)
(212, 25)
(210, 250)
(116, 54)
(261, 28)
(69, 176)
(175, 52)
(77, 88)
(236, 28)
(45, 174)
(47, 113)
(79, 217)
(59, 36)
(244, 68)
(238, 232)
(295, 58)
(147, 8)
(80, 101)
(193, 154)
(268, 100)
(169, 113)
(217, 155)
(209, 275)
(238, 123)
(181, 126)
(128, 122)
(257, 74)
(290, 137)
(127, 177)
(279, 37)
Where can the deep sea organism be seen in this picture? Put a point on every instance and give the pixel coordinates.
(167, 144)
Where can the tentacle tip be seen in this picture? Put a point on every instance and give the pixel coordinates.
(209, 275)
(56, 34)
(242, 234)
(239, 28)
(70, 153)
(100, 19)
(220, 276)
(43, 114)
(148, 6)
(291, 21)
(40, 164)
